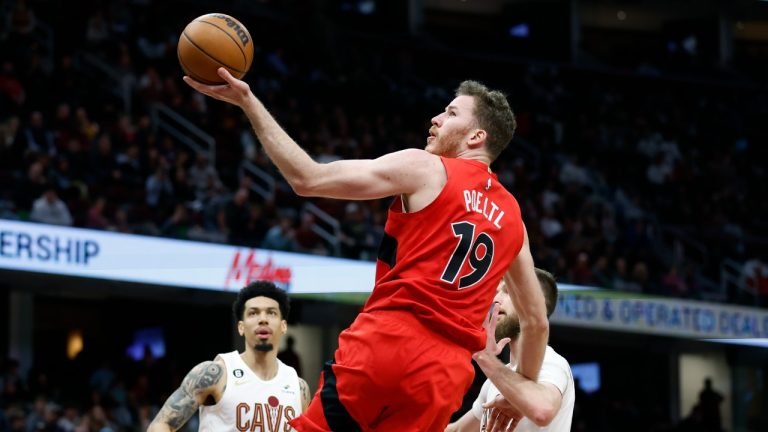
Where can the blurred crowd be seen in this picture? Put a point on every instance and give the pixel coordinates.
(627, 181)
(86, 395)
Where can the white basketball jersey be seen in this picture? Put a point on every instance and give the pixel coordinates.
(554, 370)
(251, 404)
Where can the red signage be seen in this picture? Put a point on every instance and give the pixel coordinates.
(243, 272)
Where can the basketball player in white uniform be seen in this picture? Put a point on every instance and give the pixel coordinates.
(522, 404)
(252, 390)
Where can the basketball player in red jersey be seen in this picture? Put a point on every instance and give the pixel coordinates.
(452, 233)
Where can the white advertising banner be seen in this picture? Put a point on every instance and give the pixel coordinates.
(159, 261)
(661, 316)
(105, 255)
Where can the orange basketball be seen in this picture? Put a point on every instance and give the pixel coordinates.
(212, 41)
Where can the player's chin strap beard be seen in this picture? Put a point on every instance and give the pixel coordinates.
(264, 347)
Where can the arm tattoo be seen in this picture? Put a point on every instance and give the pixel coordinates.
(304, 391)
(183, 403)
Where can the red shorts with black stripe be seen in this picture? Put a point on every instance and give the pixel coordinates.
(390, 373)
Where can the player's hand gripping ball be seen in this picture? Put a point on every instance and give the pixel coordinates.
(212, 41)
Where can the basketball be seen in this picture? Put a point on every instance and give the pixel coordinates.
(212, 41)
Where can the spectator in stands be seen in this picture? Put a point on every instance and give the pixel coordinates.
(10, 148)
(97, 29)
(201, 175)
(600, 272)
(582, 273)
(103, 168)
(17, 422)
(236, 214)
(61, 174)
(50, 209)
(69, 420)
(23, 20)
(87, 128)
(281, 236)
(130, 169)
(178, 224)
(122, 225)
(352, 231)
(638, 281)
(620, 278)
(256, 226)
(13, 95)
(307, 240)
(38, 138)
(96, 218)
(181, 187)
(77, 158)
(754, 282)
(96, 419)
(673, 283)
(36, 418)
(12, 383)
(102, 378)
(159, 190)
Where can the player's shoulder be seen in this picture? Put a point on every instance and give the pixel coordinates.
(286, 369)
(554, 358)
(219, 360)
(416, 156)
(415, 152)
(208, 374)
(216, 363)
(418, 165)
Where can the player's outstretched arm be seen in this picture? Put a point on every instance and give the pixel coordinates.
(521, 397)
(200, 383)
(528, 300)
(396, 173)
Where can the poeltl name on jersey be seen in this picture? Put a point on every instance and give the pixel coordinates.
(473, 200)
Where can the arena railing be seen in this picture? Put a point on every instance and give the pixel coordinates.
(185, 131)
(263, 182)
(326, 226)
(121, 85)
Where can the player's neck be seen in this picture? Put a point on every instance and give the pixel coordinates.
(263, 364)
(474, 154)
(514, 349)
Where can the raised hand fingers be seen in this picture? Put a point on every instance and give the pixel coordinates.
(500, 344)
(497, 403)
(493, 314)
(202, 88)
(513, 424)
(498, 421)
(224, 73)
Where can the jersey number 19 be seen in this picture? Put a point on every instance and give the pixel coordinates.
(468, 246)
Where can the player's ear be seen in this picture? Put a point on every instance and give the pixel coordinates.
(284, 326)
(477, 138)
(241, 327)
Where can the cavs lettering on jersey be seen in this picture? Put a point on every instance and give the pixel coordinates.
(251, 404)
(443, 262)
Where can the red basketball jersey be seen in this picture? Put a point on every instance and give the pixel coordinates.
(444, 262)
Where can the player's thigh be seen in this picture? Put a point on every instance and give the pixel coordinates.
(432, 389)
